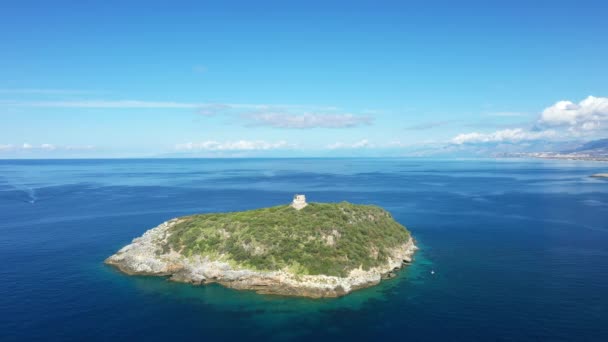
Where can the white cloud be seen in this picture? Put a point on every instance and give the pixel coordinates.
(126, 104)
(417, 143)
(78, 148)
(359, 144)
(44, 147)
(212, 109)
(307, 120)
(428, 125)
(506, 114)
(106, 104)
(561, 120)
(589, 114)
(237, 145)
(506, 135)
(43, 91)
(590, 126)
(362, 143)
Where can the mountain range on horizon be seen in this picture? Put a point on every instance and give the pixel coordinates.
(590, 150)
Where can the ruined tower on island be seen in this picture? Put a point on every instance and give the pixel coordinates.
(299, 202)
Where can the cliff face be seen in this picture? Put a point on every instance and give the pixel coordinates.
(154, 254)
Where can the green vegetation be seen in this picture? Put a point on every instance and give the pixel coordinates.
(322, 238)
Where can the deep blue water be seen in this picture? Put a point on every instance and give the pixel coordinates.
(519, 250)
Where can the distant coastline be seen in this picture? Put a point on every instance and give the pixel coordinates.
(555, 156)
(595, 150)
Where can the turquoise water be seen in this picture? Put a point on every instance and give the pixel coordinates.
(519, 250)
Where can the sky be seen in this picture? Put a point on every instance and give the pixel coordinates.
(89, 79)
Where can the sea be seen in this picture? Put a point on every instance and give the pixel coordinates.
(510, 250)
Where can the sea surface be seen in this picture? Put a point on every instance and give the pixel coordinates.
(510, 250)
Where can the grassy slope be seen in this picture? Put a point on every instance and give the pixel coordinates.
(301, 240)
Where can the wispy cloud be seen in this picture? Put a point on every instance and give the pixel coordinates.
(125, 104)
(428, 125)
(44, 147)
(306, 120)
(237, 145)
(43, 91)
(341, 145)
(506, 135)
(270, 115)
(418, 143)
(104, 104)
(212, 109)
(507, 114)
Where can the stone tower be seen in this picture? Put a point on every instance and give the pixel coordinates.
(299, 202)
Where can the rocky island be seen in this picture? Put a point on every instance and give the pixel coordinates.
(303, 249)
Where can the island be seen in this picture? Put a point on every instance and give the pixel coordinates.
(600, 175)
(303, 249)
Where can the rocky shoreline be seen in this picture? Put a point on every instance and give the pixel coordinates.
(146, 256)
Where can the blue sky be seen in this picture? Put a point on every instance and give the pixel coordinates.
(110, 79)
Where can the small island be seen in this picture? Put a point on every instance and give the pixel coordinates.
(303, 249)
(600, 175)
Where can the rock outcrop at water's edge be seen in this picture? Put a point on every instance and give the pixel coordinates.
(146, 255)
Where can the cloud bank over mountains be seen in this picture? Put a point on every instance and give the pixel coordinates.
(561, 121)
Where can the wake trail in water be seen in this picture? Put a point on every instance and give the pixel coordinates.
(30, 193)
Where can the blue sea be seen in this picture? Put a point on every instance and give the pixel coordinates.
(510, 250)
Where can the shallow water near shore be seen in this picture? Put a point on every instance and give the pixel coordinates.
(519, 250)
